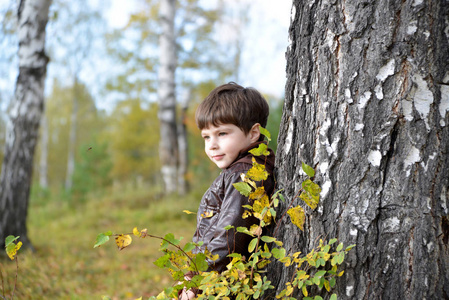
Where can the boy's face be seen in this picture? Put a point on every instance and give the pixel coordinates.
(224, 143)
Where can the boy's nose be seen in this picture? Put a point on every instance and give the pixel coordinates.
(213, 144)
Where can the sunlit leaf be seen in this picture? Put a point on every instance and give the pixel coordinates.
(123, 241)
(297, 216)
(188, 212)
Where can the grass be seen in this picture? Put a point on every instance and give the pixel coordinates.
(65, 265)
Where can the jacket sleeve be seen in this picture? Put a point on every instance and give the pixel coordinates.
(224, 241)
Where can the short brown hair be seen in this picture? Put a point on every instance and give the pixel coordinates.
(233, 104)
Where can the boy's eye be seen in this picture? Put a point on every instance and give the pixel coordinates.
(222, 133)
(206, 137)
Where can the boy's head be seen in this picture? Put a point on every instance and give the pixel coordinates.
(229, 120)
(233, 104)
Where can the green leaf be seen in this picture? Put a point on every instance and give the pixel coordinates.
(333, 297)
(161, 262)
(101, 239)
(320, 273)
(189, 247)
(9, 239)
(243, 188)
(308, 170)
(278, 253)
(340, 247)
(265, 133)
(252, 245)
(200, 262)
(332, 241)
(260, 150)
(268, 239)
(350, 247)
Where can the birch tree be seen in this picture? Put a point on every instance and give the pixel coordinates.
(168, 147)
(367, 103)
(24, 117)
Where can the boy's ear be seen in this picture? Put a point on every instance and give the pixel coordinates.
(254, 133)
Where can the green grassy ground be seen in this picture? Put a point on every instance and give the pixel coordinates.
(64, 264)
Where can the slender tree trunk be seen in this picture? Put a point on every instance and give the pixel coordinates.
(183, 186)
(43, 162)
(24, 118)
(72, 137)
(367, 103)
(168, 150)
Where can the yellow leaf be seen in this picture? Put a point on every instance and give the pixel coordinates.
(304, 291)
(123, 241)
(188, 212)
(297, 216)
(12, 249)
(207, 214)
(257, 172)
(256, 230)
(258, 193)
(136, 232)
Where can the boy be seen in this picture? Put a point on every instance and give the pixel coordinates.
(229, 120)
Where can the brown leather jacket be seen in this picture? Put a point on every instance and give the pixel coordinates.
(221, 206)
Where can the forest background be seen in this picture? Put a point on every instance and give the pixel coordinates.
(97, 164)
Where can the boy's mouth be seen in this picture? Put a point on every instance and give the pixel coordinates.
(218, 157)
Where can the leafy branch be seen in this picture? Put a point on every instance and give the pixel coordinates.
(244, 277)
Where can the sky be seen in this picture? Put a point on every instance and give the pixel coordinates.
(263, 57)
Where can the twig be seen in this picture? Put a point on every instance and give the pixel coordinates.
(15, 281)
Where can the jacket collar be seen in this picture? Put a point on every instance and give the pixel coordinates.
(246, 157)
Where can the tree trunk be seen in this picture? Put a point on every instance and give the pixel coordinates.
(24, 118)
(43, 162)
(72, 137)
(183, 186)
(367, 103)
(168, 149)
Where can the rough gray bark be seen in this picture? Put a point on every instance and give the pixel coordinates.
(24, 118)
(168, 148)
(367, 100)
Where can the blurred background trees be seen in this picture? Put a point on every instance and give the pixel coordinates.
(102, 118)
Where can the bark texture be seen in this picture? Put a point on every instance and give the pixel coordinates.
(168, 149)
(24, 118)
(367, 100)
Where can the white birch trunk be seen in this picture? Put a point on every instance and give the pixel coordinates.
(24, 117)
(43, 162)
(72, 137)
(183, 147)
(168, 149)
(367, 103)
